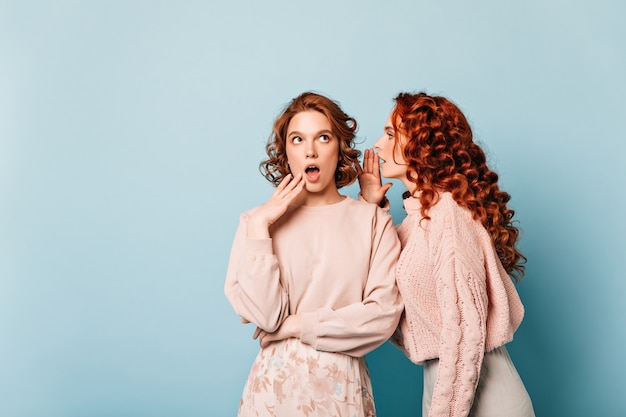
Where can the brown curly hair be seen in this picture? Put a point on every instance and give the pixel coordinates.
(344, 127)
(442, 156)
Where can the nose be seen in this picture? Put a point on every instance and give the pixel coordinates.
(311, 152)
(377, 144)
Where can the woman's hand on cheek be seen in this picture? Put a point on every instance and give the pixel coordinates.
(288, 192)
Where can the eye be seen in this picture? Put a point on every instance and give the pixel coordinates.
(296, 140)
(325, 138)
(389, 135)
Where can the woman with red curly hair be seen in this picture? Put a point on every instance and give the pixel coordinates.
(458, 262)
(314, 270)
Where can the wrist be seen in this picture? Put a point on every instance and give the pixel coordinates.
(296, 325)
(257, 229)
(368, 198)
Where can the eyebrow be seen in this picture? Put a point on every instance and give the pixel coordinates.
(321, 132)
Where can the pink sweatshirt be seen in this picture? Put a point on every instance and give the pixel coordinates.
(459, 300)
(334, 265)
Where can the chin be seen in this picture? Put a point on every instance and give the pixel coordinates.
(313, 189)
(389, 174)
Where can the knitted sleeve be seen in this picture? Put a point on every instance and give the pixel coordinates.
(253, 284)
(462, 295)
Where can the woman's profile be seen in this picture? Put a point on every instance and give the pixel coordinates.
(459, 253)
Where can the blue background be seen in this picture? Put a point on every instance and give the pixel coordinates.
(131, 132)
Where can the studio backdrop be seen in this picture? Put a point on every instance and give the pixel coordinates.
(130, 138)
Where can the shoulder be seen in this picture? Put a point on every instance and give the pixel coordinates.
(368, 209)
(360, 205)
(363, 213)
(245, 216)
(447, 211)
(455, 221)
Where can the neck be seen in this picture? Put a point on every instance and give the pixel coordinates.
(411, 187)
(322, 199)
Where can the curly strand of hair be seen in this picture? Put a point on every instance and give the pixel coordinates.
(442, 156)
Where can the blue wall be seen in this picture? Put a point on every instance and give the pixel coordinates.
(130, 134)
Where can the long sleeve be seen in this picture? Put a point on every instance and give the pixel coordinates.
(463, 310)
(362, 326)
(459, 300)
(462, 295)
(333, 265)
(253, 284)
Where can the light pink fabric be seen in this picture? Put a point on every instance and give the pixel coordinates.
(459, 300)
(500, 390)
(335, 266)
(290, 378)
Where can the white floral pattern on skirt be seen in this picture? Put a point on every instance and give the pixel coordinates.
(289, 378)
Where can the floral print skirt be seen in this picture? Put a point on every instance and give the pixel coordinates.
(289, 378)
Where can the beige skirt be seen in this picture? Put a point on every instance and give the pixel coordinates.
(500, 391)
(290, 379)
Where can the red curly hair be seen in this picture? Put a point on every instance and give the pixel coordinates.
(442, 156)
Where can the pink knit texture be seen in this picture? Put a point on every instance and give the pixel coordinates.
(459, 300)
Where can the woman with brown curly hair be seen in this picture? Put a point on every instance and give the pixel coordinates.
(314, 270)
(458, 257)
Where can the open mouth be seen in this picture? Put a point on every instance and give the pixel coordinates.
(312, 172)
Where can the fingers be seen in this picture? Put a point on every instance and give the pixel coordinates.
(257, 333)
(293, 189)
(281, 186)
(375, 164)
(367, 161)
(370, 162)
(266, 339)
(289, 184)
(297, 183)
(263, 342)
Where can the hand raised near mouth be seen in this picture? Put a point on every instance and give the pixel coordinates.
(286, 193)
(370, 181)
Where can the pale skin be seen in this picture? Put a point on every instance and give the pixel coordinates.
(370, 181)
(387, 157)
(289, 191)
(312, 153)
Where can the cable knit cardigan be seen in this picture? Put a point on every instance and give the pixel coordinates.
(459, 300)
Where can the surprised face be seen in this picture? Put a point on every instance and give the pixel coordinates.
(313, 150)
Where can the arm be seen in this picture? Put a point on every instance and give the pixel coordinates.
(463, 302)
(359, 328)
(397, 339)
(253, 285)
